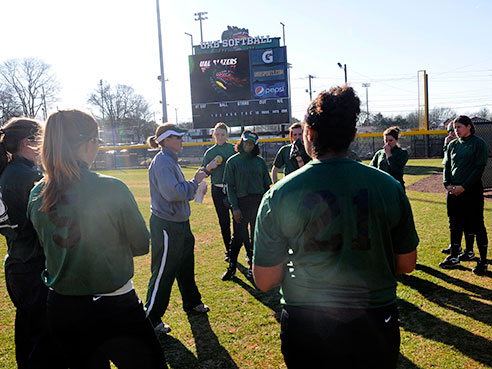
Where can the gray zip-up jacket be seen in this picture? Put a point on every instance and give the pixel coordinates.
(170, 192)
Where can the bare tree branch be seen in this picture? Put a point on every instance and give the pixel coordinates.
(32, 81)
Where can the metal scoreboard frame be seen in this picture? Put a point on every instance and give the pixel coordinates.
(240, 87)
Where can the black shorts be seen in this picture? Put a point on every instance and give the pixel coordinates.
(340, 338)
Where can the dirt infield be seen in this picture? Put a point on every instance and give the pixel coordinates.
(433, 184)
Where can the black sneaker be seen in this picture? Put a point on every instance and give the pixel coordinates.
(249, 273)
(447, 250)
(229, 274)
(450, 263)
(467, 255)
(480, 269)
(162, 328)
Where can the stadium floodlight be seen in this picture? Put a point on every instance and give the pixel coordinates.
(200, 16)
(344, 67)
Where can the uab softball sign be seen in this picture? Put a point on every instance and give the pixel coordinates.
(238, 86)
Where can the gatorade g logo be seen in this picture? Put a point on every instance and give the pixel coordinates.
(259, 91)
(267, 57)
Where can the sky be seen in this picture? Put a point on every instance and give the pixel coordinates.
(384, 43)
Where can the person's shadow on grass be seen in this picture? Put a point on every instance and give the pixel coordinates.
(270, 299)
(484, 292)
(211, 354)
(426, 325)
(458, 302)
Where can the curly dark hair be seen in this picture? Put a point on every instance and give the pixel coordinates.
(333, 115)
(239, 146)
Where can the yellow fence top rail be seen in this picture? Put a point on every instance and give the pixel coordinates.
(278, 139)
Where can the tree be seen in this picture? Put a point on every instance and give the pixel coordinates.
(440, 114)
(9, 107)
(484, 113)
(31, 83)
(125, 115)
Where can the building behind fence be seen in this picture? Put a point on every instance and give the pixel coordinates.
(418, 144)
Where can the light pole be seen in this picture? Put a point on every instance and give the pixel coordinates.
(163, 80)
(191, 36)
(283, 32)
(310, 77)
(200, 17)
(367, 85)
(344, 67)
(176, 110)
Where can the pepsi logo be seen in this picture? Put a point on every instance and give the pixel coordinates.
(259, 91)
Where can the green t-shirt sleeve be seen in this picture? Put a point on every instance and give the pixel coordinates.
(267, 181)
(446, 174)
(481, 157)
(397, 162)
(132, 224)
(270, 246)
(404, 235)
(374, 161)
(278, 162)
(229, 180)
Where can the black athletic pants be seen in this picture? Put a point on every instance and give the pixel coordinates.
(317, 337)
(92, 330)
(33, 343)
(465, 213)
(223, 213)
(248, 205)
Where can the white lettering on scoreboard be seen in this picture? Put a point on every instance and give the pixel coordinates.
(234, 42)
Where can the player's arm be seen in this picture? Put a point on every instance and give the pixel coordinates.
(405, 263)
(268, 277)
(275, 174)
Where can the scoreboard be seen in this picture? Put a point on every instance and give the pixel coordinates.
(240, 88)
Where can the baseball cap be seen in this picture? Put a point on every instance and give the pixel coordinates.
(250, 136)
(170, 129)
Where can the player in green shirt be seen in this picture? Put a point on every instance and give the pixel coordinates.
(247, 179)
(464, 162)
(90, 229)
(468, 254)
(334, 235)
(391, 158)
(290, 156)
(214, 163)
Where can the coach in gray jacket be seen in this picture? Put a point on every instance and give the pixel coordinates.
(171, 237)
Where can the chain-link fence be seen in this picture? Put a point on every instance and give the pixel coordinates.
(418, 144)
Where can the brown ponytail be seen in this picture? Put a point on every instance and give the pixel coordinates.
(11, 135)
(66, 131)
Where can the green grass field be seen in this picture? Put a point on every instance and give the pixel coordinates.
(446, 316)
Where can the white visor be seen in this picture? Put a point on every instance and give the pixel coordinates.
(168, 133)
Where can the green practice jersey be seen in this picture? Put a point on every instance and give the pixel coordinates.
(464, 161)
(282, 159)
(245, 174)
(90, 236)
(336, 224)
(394, 165)
(225, 151)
